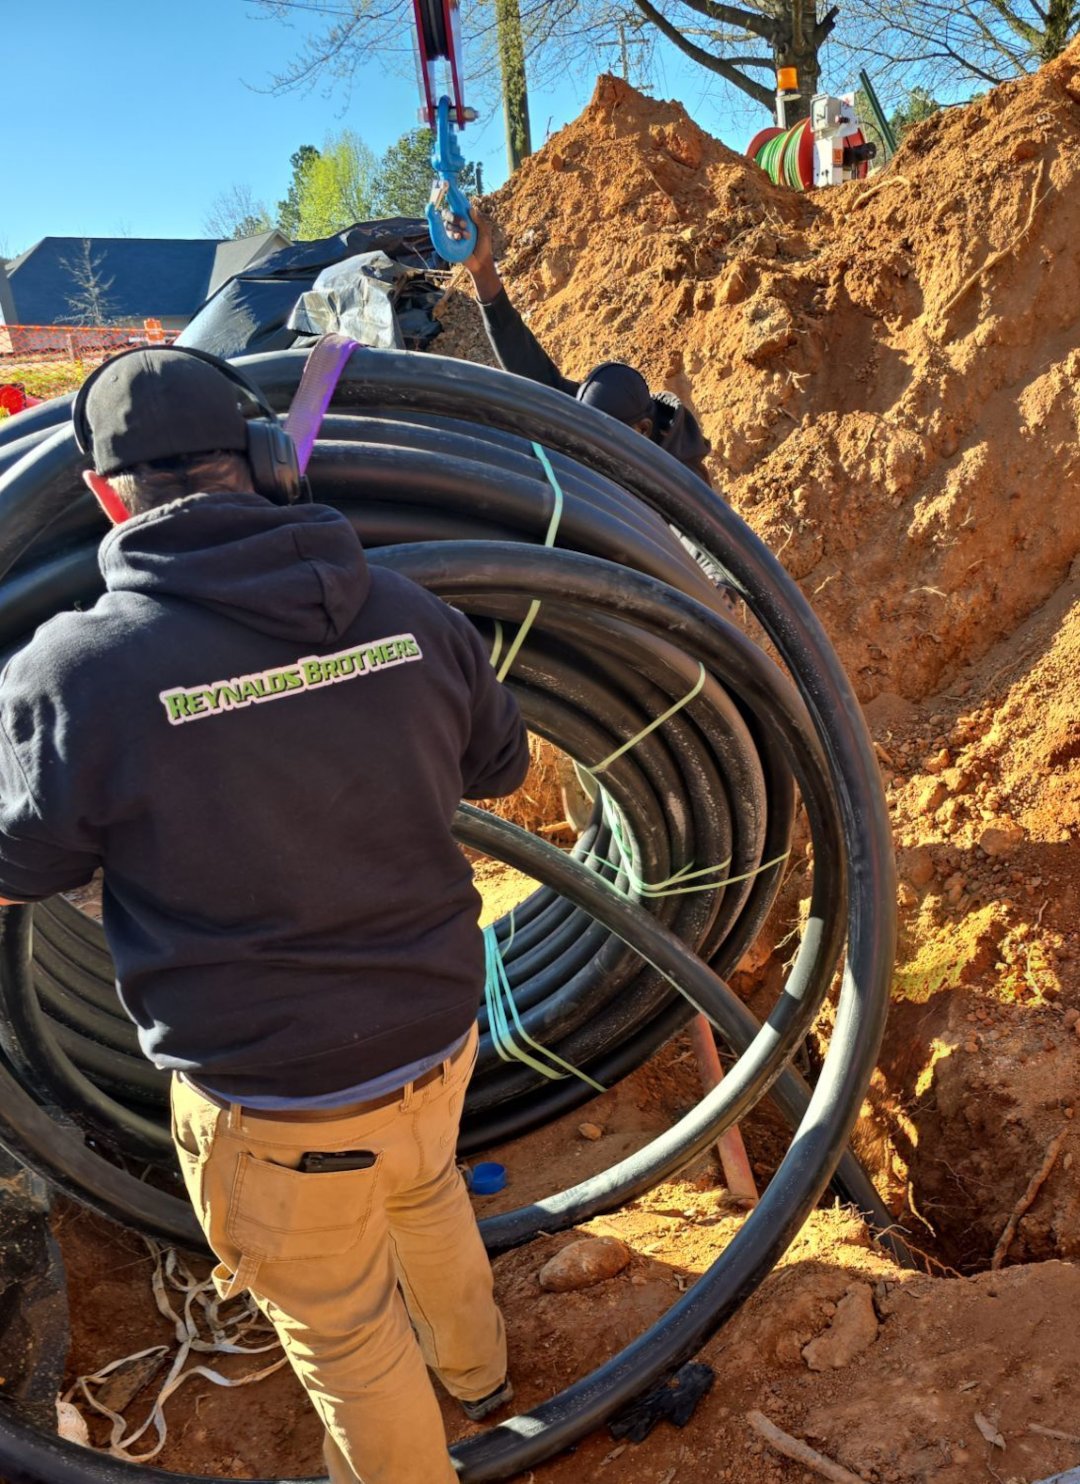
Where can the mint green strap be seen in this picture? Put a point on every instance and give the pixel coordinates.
(652, 726)
(670, 888)
(496, 648)
(549, 540)
(499, 997)
(675, 885)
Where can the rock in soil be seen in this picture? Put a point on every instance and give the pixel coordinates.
(854, 1327)
(584, 1263)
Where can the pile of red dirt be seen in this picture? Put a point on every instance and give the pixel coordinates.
(890, 406)
(889, 373)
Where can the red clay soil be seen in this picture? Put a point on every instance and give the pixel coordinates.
(890, 376)
(890, 430)
(908, 1360)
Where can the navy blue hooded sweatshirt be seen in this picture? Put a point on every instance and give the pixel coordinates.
(263, 743)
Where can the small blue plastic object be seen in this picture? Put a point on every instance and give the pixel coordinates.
(447, 196)
(488, 1178)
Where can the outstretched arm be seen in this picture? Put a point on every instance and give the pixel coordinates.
(481, 263)
(516, 347)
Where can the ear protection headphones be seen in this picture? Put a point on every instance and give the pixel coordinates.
(271, 452)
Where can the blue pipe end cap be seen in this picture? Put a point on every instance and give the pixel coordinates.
(488, 1178)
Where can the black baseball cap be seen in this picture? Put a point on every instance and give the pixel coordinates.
(617, 389)
(147, 405)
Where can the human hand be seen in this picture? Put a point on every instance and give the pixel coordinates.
(481, 262)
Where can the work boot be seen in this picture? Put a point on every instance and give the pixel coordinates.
(477, 1411)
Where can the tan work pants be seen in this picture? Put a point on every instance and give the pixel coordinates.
(340, 1262)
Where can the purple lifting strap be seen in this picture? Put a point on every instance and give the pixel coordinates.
(325, 364)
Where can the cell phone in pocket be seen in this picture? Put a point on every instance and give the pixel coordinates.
(329, 1162)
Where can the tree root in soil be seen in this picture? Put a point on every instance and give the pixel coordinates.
(1027, 1200)
(800, 1452)
(874, 190)
(1004, 252)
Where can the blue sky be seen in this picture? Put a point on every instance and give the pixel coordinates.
(128, 117)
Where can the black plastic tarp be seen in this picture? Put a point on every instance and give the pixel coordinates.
(251, 312)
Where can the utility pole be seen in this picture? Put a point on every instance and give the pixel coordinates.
(514, 85)
(625, 43)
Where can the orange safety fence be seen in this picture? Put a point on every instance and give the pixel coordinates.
(77, 342)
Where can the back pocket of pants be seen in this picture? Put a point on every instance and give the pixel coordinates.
(283, 1215)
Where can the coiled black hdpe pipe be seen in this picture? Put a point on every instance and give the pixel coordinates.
(435, 463)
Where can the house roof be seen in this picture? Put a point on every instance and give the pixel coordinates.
(233, 257)
(168, 277)
(7, 303)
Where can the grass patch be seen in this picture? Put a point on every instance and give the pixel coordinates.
(46, 379)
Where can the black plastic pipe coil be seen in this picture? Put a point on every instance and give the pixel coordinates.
(435, 462)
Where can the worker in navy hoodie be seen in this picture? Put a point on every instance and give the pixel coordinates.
(262, 741)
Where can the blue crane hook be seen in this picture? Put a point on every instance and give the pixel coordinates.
(447, 197)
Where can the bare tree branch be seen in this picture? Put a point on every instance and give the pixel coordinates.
(236, 213)
(730, 74)
(932, 44)
(1026, 32)
(728, 15)
(88, 299)
(939, 44)
(826, 25)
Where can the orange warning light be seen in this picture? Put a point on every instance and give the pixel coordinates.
(787, 80)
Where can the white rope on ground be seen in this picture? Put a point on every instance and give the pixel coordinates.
(200, 1304)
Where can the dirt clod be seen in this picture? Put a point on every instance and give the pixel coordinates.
(584, 1263)
(854, 1326)
(1000, 841)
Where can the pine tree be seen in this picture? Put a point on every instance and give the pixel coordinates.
(404, 175)
(289, 209)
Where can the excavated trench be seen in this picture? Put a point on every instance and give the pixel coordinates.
(890, 376)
